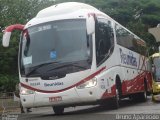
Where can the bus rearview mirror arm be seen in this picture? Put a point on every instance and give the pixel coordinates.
(7, 33)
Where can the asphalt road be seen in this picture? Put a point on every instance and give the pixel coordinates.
(128, 110)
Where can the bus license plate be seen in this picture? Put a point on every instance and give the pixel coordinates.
(55, 99)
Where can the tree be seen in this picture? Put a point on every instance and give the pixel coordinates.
(12, 12)
(136, 15)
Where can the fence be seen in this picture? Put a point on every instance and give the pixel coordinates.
(9, 103)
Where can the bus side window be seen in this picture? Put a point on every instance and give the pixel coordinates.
(124, 38)
(104, 39)
(129, 41)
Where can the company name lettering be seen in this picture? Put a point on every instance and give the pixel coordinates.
(53, 84)
(128, 59)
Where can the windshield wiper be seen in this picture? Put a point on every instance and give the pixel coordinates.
(68, 65)
(39, 66)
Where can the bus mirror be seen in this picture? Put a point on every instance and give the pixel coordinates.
(6, 39)
(90, 25)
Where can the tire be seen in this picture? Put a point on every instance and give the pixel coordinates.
(134, 97)
(58, 110)
(28, 110)
(116, 100)
(142, 97)
(144, 94)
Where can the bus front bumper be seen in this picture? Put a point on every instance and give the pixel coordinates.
(69, 97)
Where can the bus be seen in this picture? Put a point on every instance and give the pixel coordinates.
(73, 54)
(155, 58)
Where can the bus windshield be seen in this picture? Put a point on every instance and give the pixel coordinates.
(63, 45)
(156, 62)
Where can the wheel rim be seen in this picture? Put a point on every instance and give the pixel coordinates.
(145, 94)
(117, 95)
(117, 98)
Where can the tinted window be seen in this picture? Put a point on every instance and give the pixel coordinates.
(130, 41)
(124, 38)
(104, 40)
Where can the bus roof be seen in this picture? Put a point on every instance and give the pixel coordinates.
(64, 8)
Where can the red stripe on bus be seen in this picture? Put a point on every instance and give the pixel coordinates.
(135, 85)
(13, 27)
(56, 91)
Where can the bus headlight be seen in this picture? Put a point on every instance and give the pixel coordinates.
(88, 84)
(25, 91)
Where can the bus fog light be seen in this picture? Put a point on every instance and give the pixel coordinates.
(88, 84)
(25, 91)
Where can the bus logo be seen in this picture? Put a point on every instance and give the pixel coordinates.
(128, 59)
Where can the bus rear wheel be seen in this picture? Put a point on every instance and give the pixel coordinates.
(58, 110)
(140, 97)
(143, 95)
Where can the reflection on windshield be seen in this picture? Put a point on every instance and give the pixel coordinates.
(65, 41)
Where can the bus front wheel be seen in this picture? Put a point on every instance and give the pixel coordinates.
(58, 110)
(115, 100)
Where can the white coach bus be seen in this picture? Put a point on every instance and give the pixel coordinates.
(73, 54)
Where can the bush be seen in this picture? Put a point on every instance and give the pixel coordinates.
(8, 82)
